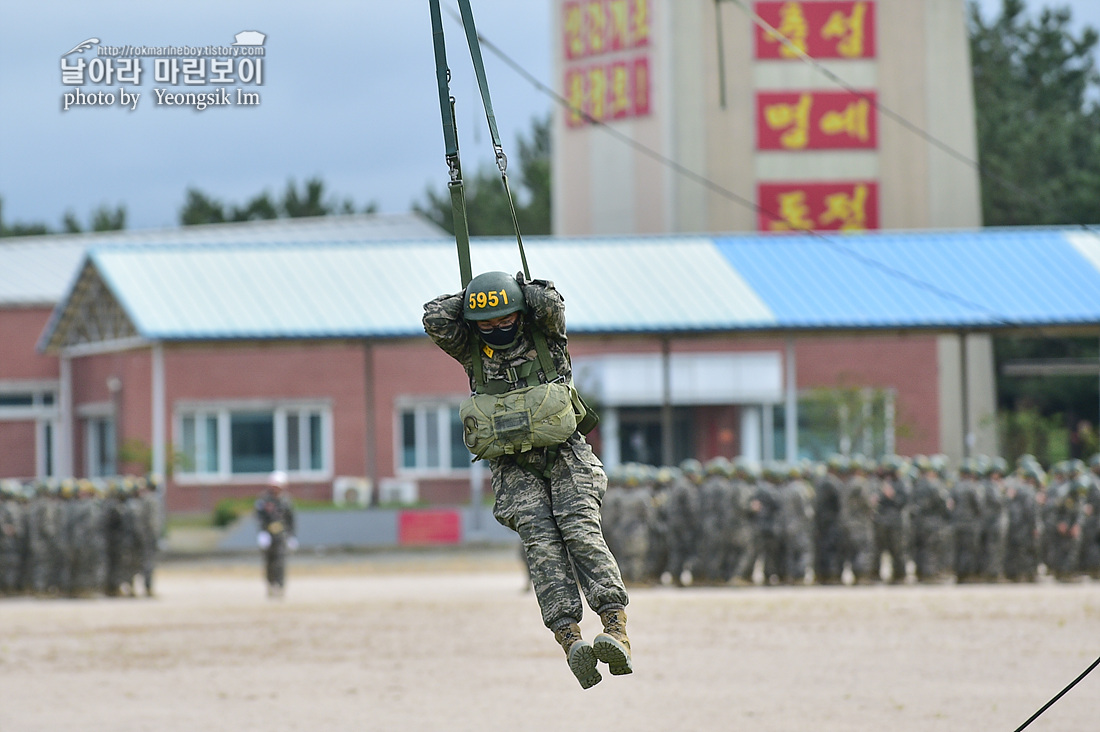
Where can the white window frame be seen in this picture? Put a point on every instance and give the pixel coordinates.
(92, 446)
(423, 411)
(223, 410)
(45, 417)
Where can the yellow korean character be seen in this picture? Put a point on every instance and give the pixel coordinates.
(849, 210)
(851, 121)
(795, 118)
(849, 29)
(793, 212)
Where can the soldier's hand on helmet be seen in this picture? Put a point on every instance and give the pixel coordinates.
(263, 540)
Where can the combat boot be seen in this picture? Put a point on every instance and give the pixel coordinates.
(612, 646)
(581, 657)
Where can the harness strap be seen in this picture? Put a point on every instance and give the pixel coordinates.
(528, 371)
(523, 461)
(450, 134)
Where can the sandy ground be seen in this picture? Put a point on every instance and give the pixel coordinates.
(436, 641)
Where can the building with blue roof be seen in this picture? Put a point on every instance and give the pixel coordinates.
(309, 356)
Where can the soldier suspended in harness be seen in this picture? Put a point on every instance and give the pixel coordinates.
(524, 415)
(509, 336)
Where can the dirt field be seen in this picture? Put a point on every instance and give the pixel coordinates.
(433, 641)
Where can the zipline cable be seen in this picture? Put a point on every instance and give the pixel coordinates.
(1059, 695)
(710, 185)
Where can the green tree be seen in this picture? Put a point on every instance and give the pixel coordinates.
(487, 212)
(1038, 120)
(104, 218)
(200, 208)
(1036, 88)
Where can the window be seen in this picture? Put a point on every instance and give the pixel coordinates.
(430, 439)
(845, 421)
(227, 441)
(99, 447)
(36, 403)
(20, 403)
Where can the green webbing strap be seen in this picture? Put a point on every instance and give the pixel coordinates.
(525, 371)
(544, 355)
(450, 139)
(483, 84)
(523, 463)
(462, 233)
(443, 77)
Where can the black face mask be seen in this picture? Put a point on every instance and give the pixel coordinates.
(501, 337)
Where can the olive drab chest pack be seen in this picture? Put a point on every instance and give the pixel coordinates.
(501, 418)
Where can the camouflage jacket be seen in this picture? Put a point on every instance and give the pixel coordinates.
(444, 324)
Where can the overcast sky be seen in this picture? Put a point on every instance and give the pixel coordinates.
(348, 94)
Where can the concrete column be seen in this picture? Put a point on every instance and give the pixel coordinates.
(790, 414)
(666, 402)
(65, 405)
(767, 429)
(609, 437)
(751, 448)
(160, 433)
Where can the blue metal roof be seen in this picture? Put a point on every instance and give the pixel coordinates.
(987, 278)
(671, 284)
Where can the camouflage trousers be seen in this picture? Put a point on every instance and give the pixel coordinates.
(275, 561)
(558, 522)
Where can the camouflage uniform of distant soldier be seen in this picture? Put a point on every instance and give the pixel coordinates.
(828, 562)
(891, 515)
(796, 524)
(994, 520)
(121, 531)
(275, 518)
(764, 512)
(43, 544)
(634, 527)
(857, 522)
(657, 556)
(148, 531)
(1022, 529)
(1065, 517)
(550, 496)
(683, 520)
(611, 512)
(12, 539)
(87, 539)
(1090, 529)
(966, 524)
(62, 573)
(742, 555)
(931, 521)
(715, 521)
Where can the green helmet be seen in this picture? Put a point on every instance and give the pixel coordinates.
(492, 295)
(692, 469)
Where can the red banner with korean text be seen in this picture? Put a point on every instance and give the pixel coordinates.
(595, 27)
(605, 45)
(827, 29)
(815, 120)
(835, 206)
(610, 91)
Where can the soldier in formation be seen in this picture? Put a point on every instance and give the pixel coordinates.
(78, 538)
(855, 520)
